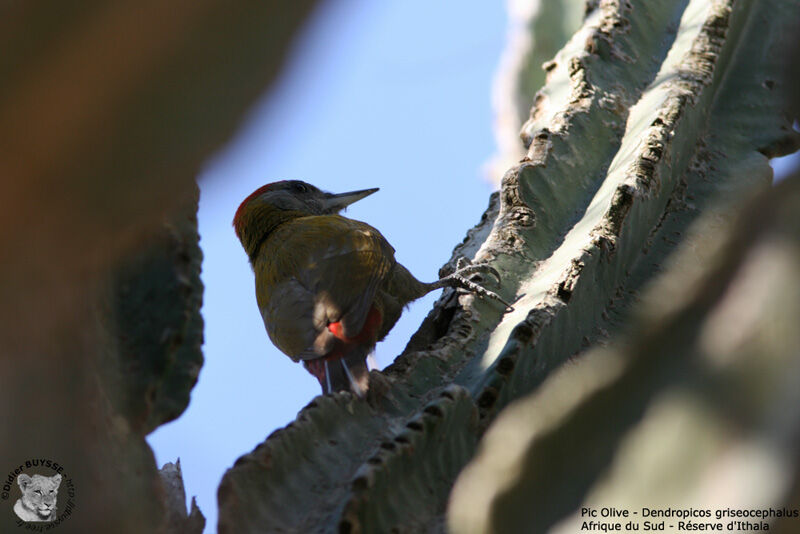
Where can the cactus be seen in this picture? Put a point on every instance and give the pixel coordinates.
(159, 353)
(697, 392)
(653, 114)
(109, 109)
(537, 30)
(653, 119)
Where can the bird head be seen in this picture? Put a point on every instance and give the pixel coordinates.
(272, 204)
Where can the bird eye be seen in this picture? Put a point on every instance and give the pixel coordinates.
(300, 187)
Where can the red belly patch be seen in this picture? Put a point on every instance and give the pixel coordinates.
(368, 332)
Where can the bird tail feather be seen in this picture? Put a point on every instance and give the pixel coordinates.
(347, 372)
(350, 373)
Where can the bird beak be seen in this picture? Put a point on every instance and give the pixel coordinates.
(334, 203)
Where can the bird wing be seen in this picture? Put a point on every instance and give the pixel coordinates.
(316, 271)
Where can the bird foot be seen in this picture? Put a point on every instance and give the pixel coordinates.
(465, 269)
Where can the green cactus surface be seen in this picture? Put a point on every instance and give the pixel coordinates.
(652, 115)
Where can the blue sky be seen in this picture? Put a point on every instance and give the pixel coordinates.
(392, 94)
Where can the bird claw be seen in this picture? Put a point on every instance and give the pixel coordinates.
(465, 268)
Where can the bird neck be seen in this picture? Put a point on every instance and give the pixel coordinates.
(260, 222)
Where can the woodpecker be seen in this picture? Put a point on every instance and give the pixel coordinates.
(329, 287)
